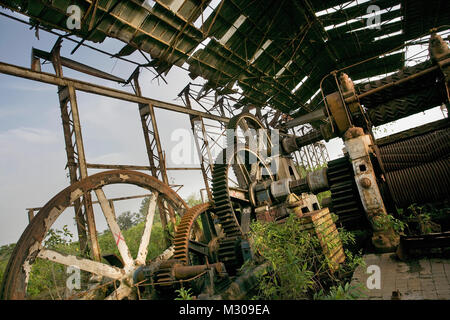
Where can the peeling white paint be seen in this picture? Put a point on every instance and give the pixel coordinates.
(83, 264)
(27, 265)
(143, 246)
(124, 177)
(115, 229)
(74, 195)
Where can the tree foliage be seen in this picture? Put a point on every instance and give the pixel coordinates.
(193, 200)
(127, 219)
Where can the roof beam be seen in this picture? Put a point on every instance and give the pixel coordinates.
(101, 90)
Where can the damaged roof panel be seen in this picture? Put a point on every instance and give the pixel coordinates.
(269, 47)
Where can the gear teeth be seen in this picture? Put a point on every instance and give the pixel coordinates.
(181, 240)
(394, 92)
(163, 277)
(344, 194)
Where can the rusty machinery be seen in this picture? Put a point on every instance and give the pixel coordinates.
(253, 176)
(251, 181)
(375, 176)
(367, 184)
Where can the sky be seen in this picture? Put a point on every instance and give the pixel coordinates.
(32, 150)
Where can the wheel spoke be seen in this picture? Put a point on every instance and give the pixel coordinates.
(115, 229)
(243, 169)
(154, 265)
(249, 138)
(120, 293)
(81, 263)
(143, 246)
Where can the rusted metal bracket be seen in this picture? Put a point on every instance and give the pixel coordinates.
(156, 157)
(201, 143)
(358, 147)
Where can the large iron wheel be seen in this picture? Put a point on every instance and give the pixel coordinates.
(30, 246)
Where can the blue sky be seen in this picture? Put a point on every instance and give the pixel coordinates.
(32, 154)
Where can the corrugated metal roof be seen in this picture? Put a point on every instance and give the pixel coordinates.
(267, 47)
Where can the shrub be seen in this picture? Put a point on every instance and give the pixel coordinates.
(299, 270)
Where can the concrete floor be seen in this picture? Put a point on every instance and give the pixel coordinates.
(425, 278)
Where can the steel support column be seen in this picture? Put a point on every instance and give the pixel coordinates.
(76, 160)
(201, 143)
(155, 155)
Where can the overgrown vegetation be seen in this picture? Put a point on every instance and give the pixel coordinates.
(5, 254)
(387, 221)
(420, 220)
(299, 270)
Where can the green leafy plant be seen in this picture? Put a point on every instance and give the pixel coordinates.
(56, 238)
(422, 218)
(288, 252)
(184, 294)
(387, 221)
(341, 292)
(298, 268)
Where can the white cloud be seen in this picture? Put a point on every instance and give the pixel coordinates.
(30, 86)
(33, 135)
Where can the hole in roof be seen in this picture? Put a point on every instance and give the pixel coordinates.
(364, 17)
(231, 31)
(343, 6)
(201, 45)
(299, 84)
(313, 96)
(260, 51)
(206, 13)
(149, 4)
(391, 53)
(374, 78)
(389, 35)
(280, 72)
(236, 87)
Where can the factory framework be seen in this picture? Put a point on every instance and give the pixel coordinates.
(280, 79)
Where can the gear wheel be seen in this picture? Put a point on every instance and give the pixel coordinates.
(184, 229)
(345, 198)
